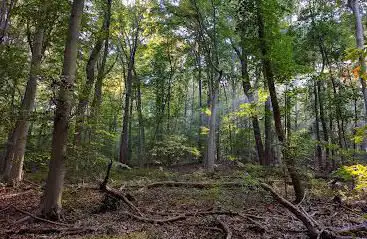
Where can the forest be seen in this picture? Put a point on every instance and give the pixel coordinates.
(143, 119)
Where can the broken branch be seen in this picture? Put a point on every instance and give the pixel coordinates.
(225, 227)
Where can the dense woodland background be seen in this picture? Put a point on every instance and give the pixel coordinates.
(268, 90)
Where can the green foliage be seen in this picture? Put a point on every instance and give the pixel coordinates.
(172, 150)
(85, 164)
(360, 134)
(354, 173)
(301, 146)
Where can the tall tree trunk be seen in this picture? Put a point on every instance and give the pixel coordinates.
(200, 144)
(129, 150)
(267, 132)
(211, 144)
(51, 201)
(354, 5)
(6, 9)
(141, 152)
(246, 85)
(124, 146)
(333, 163)
(268, 74)
(124, 143)
(317, 128)
(323, 124)
(103, 36)
(12, 174)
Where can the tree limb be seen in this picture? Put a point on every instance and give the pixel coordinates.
(225, 227)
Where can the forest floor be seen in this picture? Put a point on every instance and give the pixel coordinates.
(209, 212)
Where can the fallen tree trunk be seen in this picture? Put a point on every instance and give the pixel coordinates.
(315, 230)
(305, 219)
(193, 184)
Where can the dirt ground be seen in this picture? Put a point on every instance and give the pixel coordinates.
(89, 213)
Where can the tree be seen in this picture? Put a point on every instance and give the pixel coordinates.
(128, 47)
(354, 5)
(269, 76)
(43, 22)
(102, 36)
(51, 201)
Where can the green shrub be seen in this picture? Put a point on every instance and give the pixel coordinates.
(355, 173)
(172, 150)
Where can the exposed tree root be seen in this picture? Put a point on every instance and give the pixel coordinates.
(39, 218)
(225, 227)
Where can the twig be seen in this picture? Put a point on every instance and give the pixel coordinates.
(304, 196)
(155, 221)
(15, 194)
(225, 228)
(257, 224)
(3, 210)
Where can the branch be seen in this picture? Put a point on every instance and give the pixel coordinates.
(312, 229)
(225, 227)
(119, 195)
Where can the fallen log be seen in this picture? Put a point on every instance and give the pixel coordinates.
(307, 222)
(193, 184)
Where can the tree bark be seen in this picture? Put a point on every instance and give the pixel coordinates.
(141, 152)
(51, 201)
(268, 134)
(13, 171)
(354, 5)
(6, 9)
(124, 134)
(102, 36)
(317, 128)
(268, 74)
(124, 145)
(246, 85)
(211, 144)
(323, 124)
